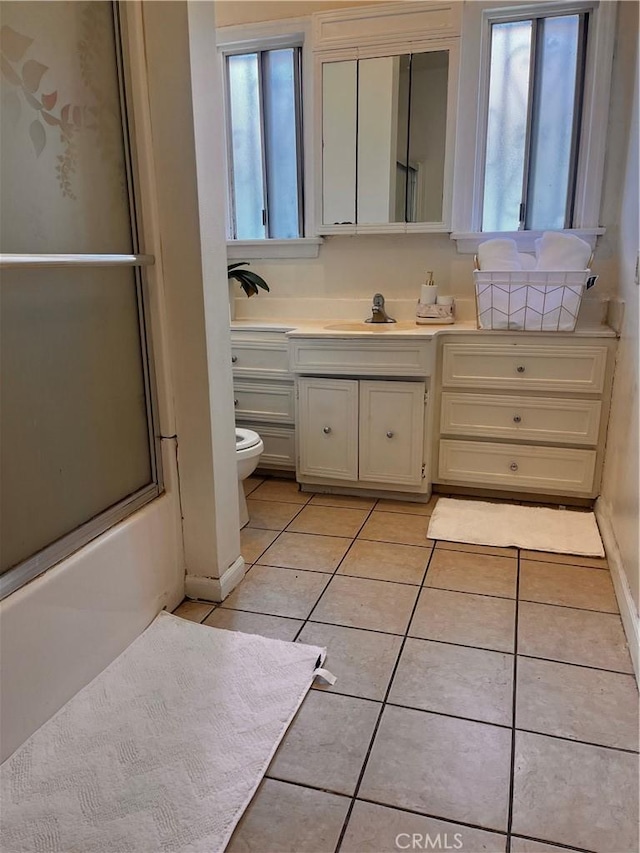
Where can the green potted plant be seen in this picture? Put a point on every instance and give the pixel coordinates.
(249, 281)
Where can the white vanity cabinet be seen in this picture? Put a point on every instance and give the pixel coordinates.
(386, 88)
(362, 415)
(524, 413)
(264, 394)
(359, 430)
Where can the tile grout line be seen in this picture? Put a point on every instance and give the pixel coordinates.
(342, 574)
(332, 575)
(582, 742)
(513, 714)
(499, 832)
(424, 639)
(376, 728)
(385, 702)
(279, 532)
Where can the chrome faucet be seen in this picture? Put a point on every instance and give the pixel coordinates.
(378, 313)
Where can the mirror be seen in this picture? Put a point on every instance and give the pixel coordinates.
(427, 136)
(383, 111)
(339, 116)
(384, 123)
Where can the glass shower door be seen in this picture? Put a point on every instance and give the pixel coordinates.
(78, 445)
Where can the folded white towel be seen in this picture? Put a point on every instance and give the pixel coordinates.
(500, 255)
(558, 251)
(527, 262)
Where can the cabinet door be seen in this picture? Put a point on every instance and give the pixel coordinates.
(392, 432)
(383, 107)
(339, 112)
(327, 428)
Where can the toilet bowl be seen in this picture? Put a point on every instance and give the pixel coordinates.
(249, 447)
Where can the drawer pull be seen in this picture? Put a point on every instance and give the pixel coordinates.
(390, 434)
(326, 430)
(520, 368)
(513, 466)
(517, 419)
(235, 402)
(234, 358)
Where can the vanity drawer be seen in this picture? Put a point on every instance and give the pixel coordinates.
(260, 358)
(336, 357)
(554, 421)
(279, 446)
(264, 401)
(517, 467)
(537, 367)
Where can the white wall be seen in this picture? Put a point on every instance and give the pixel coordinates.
(620, 479)
(187, 147)
(230, 12)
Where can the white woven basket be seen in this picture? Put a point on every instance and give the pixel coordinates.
(530, 301)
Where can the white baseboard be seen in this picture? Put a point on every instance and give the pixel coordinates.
(215, 589)
(628, 612)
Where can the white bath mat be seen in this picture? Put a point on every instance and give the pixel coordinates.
(504, 525)
(162, 751)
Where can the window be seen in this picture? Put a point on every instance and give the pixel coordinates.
(531, 127)
(265, 144)
(536, 80)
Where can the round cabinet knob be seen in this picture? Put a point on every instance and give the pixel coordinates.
(514, 466)
(517, 419)
(520, 368)
(326, 430)
(234, 358)
(390, 434)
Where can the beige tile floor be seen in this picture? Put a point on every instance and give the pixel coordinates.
(485, 699)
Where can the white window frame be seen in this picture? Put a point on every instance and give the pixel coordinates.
(270, 35)
(472, 118)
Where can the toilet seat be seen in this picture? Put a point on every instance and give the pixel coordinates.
(246, 438)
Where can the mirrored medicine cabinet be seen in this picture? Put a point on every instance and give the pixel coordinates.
(387, 140)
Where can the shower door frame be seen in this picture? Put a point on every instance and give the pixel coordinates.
(52, 554)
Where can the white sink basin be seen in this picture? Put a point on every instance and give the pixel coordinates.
(370, 327)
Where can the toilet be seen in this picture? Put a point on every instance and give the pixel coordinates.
(249, 447)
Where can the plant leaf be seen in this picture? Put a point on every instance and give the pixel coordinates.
(32, 72)
(13, 44)
(33, 102)
(52, 120)
(254, 278)
(49, 101)
(239, 264)
(38, 136)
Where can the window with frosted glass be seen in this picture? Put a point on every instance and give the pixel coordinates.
(263, 90)
(535, 96)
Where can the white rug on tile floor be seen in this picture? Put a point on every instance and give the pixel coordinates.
(562, 531)
(162, 751)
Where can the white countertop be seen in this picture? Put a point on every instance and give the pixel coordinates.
(304, 328)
